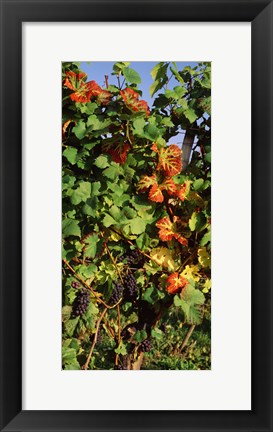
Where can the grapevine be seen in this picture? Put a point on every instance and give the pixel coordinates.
(136, 218)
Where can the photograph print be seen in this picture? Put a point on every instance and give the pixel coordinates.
(136, 215)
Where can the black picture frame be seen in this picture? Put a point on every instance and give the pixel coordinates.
(13, 14)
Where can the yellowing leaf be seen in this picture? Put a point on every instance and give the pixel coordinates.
(207, 286)
(204, 257)
(163, 257)
(115, 236)
(191, 272)
(145, 182)
(170, 160)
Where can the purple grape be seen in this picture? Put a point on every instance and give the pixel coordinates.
(130, 287)
(146, 345)
(117, 293)
(81, 302)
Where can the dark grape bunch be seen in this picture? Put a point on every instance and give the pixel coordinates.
(133, 257)
(146, 345)
(117, 293)
(75, 285)
(81, 302)
(130, 287)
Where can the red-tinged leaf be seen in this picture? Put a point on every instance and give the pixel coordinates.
(65, 126)
(131, 100)
(155, 194)
(74, 81)
(118, 150)
(165, 226)
(175, 283)
(170, 186)
(183, 190)
(154, 147)
(143, 106)
(104, 97)
(129, 95)
(93, 87)
(181, 239)
(170, 160)
(145, 182)
(169, 230)
(81, 95)
(83, 91)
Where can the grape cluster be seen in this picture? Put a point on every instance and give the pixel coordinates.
(117, 293)
(146, 345)
(75, 285)
(130, 287)
(133, 257)
(120, 367)
(81, 302)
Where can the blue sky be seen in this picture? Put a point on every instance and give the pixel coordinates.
(97, 70)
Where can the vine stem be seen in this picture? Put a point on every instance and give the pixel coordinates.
(114, 262)
(128, 133)
(188, 259)
(188, 335)
(85, 367)
(89, 287)
(118, 308)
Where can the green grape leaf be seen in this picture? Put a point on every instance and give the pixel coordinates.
(131, 76)
(121, 349)
(205, 239)
(190, 301)
(71, 154)
(102, 161)
(108, 221)
(140, 335)
(137, 226)
(71, 325)
(80, 194)
(90, 246)
(80, 129)
(70, 227)
(190, 114)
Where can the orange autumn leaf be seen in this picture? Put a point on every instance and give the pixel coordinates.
(145, 182)
(181, 191)
(104, 97)
(131, 100)
(154, 147)
(65, 126)
(169, 230)
(118, 150)
(83, 91)
(169, 160)
(165, 229)
(156, 194)
(175, 283)
(73, 81)
(170, 186)
(157, 188)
